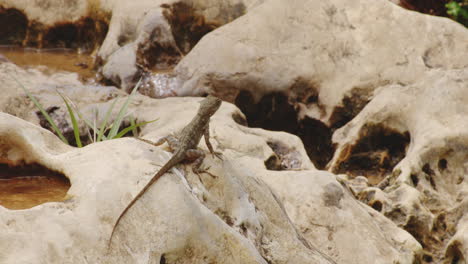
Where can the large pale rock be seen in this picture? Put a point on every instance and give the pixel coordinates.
(395, 81)
(425, 193)
(239, 213)
(332, 49)
(191, 223)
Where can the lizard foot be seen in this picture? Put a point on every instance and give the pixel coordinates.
(217, 154)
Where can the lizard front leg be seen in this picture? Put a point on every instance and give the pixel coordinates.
(171, 140)
(206, 135)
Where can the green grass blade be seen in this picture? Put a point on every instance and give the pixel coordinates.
(44, 113)
(102, 128)
(77, 111)
(94, 124)
(76, 129)
(132, 123)
(120, 116)
(132, 127)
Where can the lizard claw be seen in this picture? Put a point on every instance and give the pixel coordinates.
(200, 170)
(217, 154)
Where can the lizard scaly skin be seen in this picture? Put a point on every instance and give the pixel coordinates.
(184, 146)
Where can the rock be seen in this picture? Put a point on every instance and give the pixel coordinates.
(86, 99)
(157, 34)
(49, 12)
(428, 178)
(208, 222)
(335, 50)
(390, 84)
(139, 36)
(239, 213)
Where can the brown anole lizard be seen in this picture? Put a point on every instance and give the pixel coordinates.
(184, 145)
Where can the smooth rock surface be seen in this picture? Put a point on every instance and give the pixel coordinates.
(331, 49)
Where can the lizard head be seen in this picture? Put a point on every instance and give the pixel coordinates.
(209, 105)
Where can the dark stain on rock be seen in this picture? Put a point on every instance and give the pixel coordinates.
(351, 106)
(275, 112)
(332, 195)
(86, 33)
(285, 158)
(188, 27)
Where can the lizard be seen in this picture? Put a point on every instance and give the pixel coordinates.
(184, 147)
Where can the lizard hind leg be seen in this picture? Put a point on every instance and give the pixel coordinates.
(196, 156)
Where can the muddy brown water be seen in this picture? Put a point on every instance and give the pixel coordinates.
(53, 60)
(27, 192)
(24, 187)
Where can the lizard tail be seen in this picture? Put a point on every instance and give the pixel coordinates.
(161, 171)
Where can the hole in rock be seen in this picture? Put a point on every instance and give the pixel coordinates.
(156, 57)
(14, 26)
(377, 205)
(454, 253)
(427, 169)
(85, 34)
(378, 150)
(427, 258)
(415, 228)
(26, 186)
(442, 164)
(273, 163)
(162, 260)
(414, 180)
(188, 27)
(274, 112)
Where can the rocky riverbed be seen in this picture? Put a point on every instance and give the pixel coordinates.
(342, 132)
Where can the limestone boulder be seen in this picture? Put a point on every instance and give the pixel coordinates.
(328, 57)
(390, 84)
(155, 35)
(239, 212)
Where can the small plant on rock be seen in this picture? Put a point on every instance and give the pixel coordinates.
(98, 133)
(458, 10)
